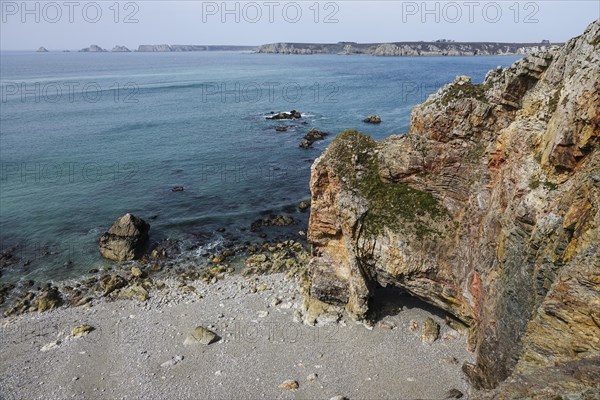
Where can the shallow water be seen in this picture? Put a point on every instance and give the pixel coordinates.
(86, 138)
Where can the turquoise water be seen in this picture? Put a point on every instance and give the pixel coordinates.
(127, 127)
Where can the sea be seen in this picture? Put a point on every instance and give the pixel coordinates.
(88, 137)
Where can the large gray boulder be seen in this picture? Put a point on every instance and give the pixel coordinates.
(126, 239)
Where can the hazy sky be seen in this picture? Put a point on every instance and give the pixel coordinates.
(71, 24)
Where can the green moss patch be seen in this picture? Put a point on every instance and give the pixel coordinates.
(466, 90)
(354, 160)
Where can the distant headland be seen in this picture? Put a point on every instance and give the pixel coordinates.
(437, 48)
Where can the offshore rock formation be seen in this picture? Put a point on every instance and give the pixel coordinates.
(489, 208)
(120, 49)
(126, 239)
(93, 49)
(405, 48)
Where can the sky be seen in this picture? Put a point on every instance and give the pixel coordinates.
(74, 24)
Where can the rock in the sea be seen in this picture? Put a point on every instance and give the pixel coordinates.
(200, 335)
(42, 50)
(304, 205)
(120, 49)
(289, 384)
(487, 209)
(81, 330)
(286, 115)
(177, 189)
(312, 136)
(93, 49)
(372, 119)
(430, 332)
(281, 128)
(273, 220)
(126, 239)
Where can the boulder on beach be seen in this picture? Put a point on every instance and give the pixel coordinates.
(126, 239)
(372, 119)
(200, 335)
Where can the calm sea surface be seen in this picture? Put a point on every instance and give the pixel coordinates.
(85, 138)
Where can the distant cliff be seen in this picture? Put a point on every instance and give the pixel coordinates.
(489, 208)
(406, 48)
(190, 47)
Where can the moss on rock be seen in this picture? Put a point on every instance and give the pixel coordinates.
(353, 157)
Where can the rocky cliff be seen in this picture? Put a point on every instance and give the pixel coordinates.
(489, 208)
(404, 48)
(165, 48)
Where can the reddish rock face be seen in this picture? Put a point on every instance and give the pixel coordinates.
(489, 208)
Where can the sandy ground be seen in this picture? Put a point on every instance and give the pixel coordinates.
(261, 345)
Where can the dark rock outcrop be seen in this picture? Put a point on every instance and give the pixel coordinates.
(126, 239)
(489, 208)
(312, 136)
(372, 119)
(286, 115)
(42, 50)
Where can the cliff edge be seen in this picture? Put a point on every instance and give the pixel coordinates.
(489, 208)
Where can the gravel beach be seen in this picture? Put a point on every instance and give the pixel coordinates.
(136, 349)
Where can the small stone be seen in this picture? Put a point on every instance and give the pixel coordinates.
(413, 325)
(81, 330)
(200, 335)
(387, 325)
(430, 332)
(312, 377)
(339, 398)
(262, 314)
(50, 346)
(275, 301)
(173, 361)
(289, 385)
(136, 272)
(262, 287)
